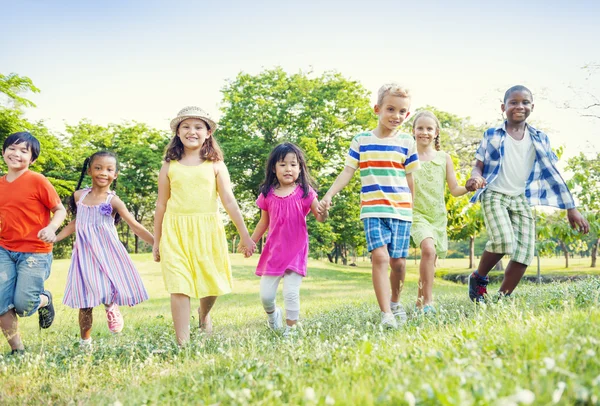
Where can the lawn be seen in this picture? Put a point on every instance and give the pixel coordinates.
(539, 347)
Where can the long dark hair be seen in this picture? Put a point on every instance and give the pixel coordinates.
(86, 164)
(210, 150)
(278, 154)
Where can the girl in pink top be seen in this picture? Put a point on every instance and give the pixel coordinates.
(286, 197)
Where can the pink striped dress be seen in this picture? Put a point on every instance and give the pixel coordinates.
(101, 270)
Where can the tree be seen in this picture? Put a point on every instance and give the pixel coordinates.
(585, 185)
(12, 85)
(319, 113)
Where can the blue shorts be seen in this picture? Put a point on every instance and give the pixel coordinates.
(22, 277)
(394, 233)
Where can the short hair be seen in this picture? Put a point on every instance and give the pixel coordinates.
(517, 88)
(393, 89)
(23, 137)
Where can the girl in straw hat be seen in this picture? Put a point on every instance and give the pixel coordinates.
(190, 238)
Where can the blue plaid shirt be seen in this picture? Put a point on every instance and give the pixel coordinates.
(544, 187)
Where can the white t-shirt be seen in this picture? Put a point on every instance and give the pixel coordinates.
(516, 166)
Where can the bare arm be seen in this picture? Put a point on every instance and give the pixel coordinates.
(164, 193)
(66, 231)
(135, 226)
(455, 189)
(314, 208)
(48, 233)
(411, 184)
(261, 226)
(231, 205)
(340, 182)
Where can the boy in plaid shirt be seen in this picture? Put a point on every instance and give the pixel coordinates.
(515, 168)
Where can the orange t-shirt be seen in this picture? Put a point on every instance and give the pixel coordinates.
(25, 205)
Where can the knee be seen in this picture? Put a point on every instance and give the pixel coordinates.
(428, 252)
(398, 264)
(268, 299)
(380, 256)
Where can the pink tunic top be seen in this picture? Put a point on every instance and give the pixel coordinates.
(287, 240)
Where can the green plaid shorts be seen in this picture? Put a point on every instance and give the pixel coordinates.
(510, 225)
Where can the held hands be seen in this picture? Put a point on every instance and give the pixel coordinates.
(324, 206)
(246, 246)
(47, 234)
(577, 221)
(476, 182)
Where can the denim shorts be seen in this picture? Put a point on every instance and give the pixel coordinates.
(22, 277)
(394, 233)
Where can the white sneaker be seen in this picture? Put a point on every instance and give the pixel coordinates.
(290, 331)
(400, 313)
(86, 345)
(388, 320)
(275, 322)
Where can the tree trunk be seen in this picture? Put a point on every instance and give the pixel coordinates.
(136, 241)
(564, 249)
(233, 245)
(471, 252)
(594, 253)
(344, 255)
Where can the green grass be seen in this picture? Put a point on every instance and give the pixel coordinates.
(540, 346)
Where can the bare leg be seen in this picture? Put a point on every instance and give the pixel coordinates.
(381, 283)
(397, 276)
(512, 276)
(426, 273)
(206, 304)
(10, 328)
(180, 310)
(487, 261)
(86, 319)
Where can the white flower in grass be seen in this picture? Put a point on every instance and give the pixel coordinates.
(524, 397)
(549, 363)
(410, 398)
(498, 363)
(309, 394)
(329, 400)
(247, 393)
(558, 392)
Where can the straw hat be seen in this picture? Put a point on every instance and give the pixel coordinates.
(192, 112)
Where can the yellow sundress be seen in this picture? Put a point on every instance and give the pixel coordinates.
(193, 246)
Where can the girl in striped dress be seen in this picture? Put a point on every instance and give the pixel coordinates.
(101, 271)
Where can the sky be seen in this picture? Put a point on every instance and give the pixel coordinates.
(113, 61)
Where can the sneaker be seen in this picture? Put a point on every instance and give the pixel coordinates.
(17, 352)
(275, 322)
(477, 287)
(400, 313)
(290, 331)
(86, 345)
(388, 320)
(46, 313)
(114, 319)
(429, 310)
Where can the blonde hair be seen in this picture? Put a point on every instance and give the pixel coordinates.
(429, 114)
(393, 89)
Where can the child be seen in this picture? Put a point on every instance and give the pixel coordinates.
(101, 271)
(386, 159)
(190, 238)
(518, 166)
(27, 232)
(430, 219)
(285, 199)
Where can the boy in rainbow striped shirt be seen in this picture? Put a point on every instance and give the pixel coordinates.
(386, 159)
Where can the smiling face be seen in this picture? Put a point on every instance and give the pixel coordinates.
(392, 111)
(193, 132)
(425, 130)
(17, 156)
(287, 170)
(103, 170)
(518, 106)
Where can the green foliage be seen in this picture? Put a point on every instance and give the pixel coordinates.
(320, 114)
(12, 85)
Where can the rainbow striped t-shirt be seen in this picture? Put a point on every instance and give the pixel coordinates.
(384, 163)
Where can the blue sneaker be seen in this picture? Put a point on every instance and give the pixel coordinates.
(477, 287)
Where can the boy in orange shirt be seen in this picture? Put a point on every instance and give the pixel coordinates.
(27, 232)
